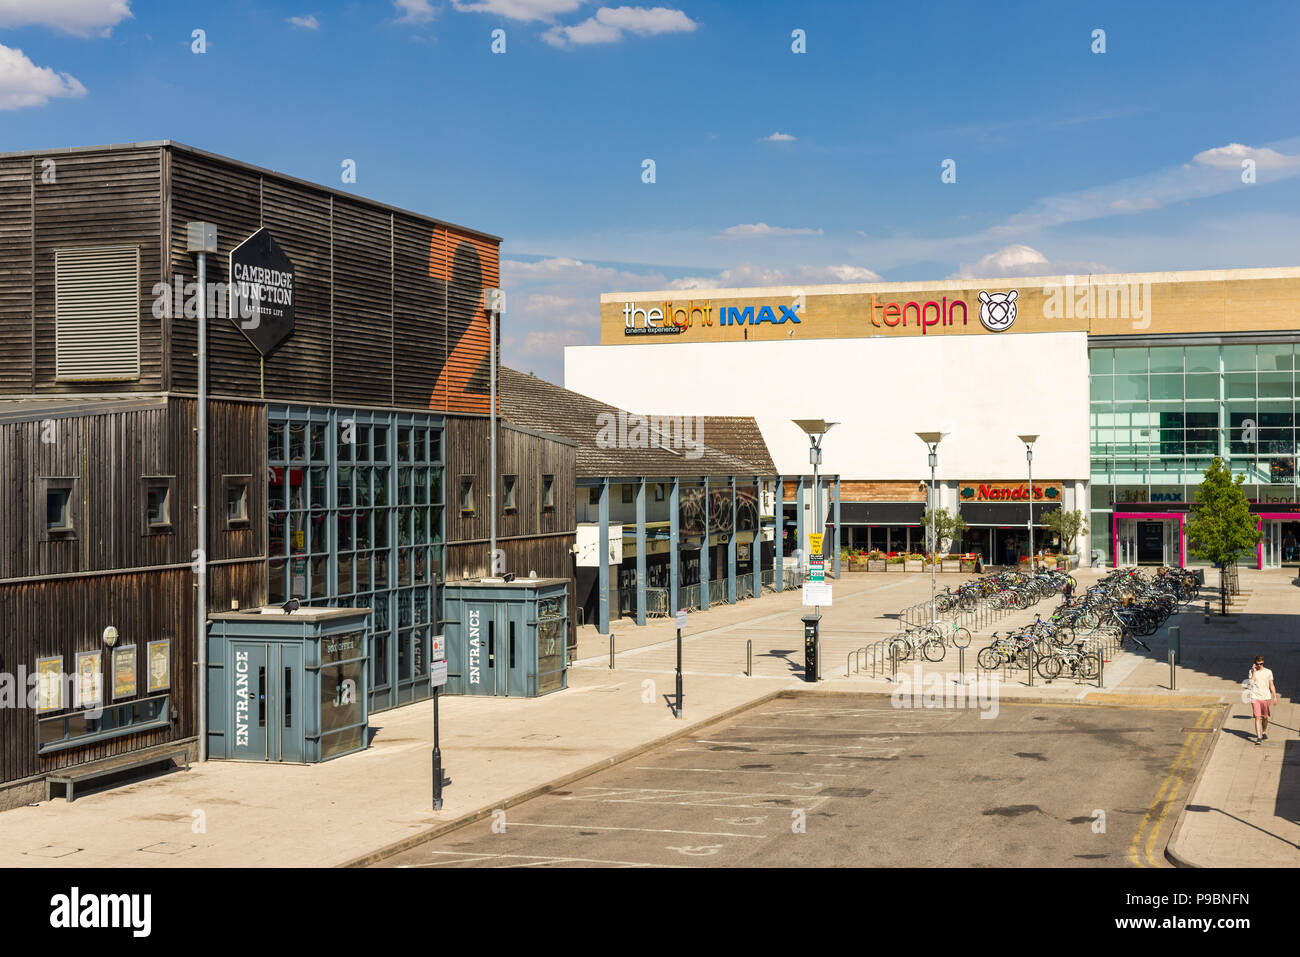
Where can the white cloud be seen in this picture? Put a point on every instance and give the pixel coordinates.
(779, 138)
(525, 10)
(1232, 155)
(82, 18)
(751, 275)
(763, 231)
(1210, 173)
(414, 11)
(1018, 259)
(610, 23)
(23, 83)
(308, 22)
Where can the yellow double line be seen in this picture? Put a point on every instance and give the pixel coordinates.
(1169, 789)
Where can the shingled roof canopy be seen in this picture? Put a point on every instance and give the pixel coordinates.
(733, 445)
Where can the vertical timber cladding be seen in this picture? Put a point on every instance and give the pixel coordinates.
(16, 274)
(109, 454)
(109, 197)
(388, 305)
(532, 538)
(143, 607)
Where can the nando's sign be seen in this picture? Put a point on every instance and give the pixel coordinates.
(1009, 492)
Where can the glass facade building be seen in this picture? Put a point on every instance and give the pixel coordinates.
(355, 518)
(1159, 414)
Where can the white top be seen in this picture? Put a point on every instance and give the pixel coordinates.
(1259, 681)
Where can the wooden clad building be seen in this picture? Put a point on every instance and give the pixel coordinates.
(331, 456)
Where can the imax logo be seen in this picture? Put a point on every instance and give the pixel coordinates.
(733, 316)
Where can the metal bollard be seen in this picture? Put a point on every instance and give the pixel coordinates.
(611, 651)
(1173, 675)
(961, 663)
(1101, 666)
(893, 662)
(1030, 659)
(749, 659)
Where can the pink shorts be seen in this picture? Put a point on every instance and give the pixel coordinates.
(1261, 707)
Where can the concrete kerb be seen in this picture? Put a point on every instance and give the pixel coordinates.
(1172, 854)
(438, 830)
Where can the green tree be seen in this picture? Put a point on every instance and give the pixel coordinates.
(1067, 525)
(946, 526)
(1220, 528)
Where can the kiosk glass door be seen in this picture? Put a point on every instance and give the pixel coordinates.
(1148, 541)
(266, 701)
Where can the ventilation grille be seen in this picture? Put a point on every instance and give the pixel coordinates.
(97, 312)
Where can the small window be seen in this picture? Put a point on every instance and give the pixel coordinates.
(158, 502)
(659, 491)
(548, 491)
(237, 499)
(467, 493)
(627, 494)
(58, 516)
(593, 495)
(508, 493)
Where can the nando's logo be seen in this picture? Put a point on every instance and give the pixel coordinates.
(674, 318)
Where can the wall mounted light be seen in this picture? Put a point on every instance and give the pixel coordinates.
(110, 636)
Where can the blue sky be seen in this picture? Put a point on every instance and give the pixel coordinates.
(1067, 160)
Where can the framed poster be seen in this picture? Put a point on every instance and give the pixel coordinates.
(160, 664)
(49, 688)
(123, 671)
(90, 679)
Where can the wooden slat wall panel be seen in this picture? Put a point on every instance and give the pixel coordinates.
(420, 310)
(65, 616)
(94, 199)
(111, 453)
(229, 197)
(363, 328)
(16, 275)
(299, 219)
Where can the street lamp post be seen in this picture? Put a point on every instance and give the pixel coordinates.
(816, 429)
(1029, 441)
(932, 440)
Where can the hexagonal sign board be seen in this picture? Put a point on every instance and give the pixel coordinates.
(261, 292)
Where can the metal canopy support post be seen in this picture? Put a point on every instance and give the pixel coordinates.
(778, 536)
(836, 544)
(731, 548)
(756, 547)
(799, 530)
(705, 572)
(674, 546)
(640, 552)
(602, 619)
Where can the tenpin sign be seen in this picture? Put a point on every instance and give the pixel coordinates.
(261, 292)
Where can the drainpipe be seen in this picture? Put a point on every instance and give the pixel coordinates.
(201, 240)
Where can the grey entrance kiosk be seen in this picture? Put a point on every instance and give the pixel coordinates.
(291, 687)
(506, 638)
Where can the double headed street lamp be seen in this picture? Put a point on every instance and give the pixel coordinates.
(816, 428)
(1029, 441)
(932, 440)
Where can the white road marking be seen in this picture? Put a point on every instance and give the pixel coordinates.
(755, 799)
(703, 850)
(744, 770)
(538, 858)
(652, 830)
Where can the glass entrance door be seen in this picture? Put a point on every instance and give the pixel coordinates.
(1281, 543)
(266, 702)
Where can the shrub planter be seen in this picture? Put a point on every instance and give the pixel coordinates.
(950, 565)
(914, 566)
(877, 565)
(967, 564)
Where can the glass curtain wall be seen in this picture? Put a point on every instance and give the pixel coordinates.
(354, 518)
(1159, 415)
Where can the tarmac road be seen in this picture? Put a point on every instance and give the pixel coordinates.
(850, 780)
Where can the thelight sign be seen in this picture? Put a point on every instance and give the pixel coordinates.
(674, 318)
